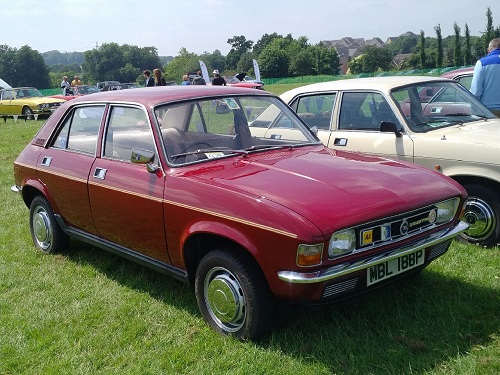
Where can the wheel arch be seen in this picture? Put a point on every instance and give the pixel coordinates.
(484, 181)
(200, 242)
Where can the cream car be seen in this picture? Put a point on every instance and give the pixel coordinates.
(431, 121)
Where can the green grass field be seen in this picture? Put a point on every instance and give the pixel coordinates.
(86, 311)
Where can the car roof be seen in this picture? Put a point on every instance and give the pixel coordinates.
(150, 96)
(457, 72)
(384, 84)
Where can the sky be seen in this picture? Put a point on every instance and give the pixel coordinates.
(206, 25)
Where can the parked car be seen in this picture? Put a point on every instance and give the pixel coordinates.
(101, 85)
(462, 75)
(74, 91)
(172, 178)
(233, 81)
(129, 85)
(27, 102)
(433, 121)
(243, 77)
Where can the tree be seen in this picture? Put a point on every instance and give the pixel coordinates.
(490, 32)
(327, 59)
(240, 45)
(375, 58)
(467, 52)
(183, 63)
(439, 58)
(264, 41)
(7, 69)
(423, 61)
(457, 55)
(273, 60)
(30, 69)
(122, 63)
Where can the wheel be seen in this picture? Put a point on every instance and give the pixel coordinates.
(46, 233)
(233, 295)
(482, 213)
(28, 113)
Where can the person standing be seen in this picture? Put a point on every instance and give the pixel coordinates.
(185, 80)
(218, 80)
(486, 78)
(198, 79)
(149, 81)
(159, 80)
(65, 85)
(76, 81)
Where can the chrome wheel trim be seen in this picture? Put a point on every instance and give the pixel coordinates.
(224, 299)
(481, 219)
(42, 229)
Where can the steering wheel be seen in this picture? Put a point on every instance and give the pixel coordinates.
(197, 146)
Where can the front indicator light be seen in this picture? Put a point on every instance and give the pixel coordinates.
(309, 255)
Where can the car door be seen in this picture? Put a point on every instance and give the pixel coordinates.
(356, 126)
(127, 199)
(65, 165)
(7, 103)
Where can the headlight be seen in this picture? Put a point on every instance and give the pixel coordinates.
(446, 210)
(342, 243)
(43, 106)
(309, 255)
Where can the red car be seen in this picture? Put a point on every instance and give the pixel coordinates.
(175, 179)
(234, 81)
(75, 91)
(462, 75)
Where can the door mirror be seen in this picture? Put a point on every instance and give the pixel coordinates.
(144, 157)
(390, 127)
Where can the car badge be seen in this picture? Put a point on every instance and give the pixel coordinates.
(432, 216)
(404, 227)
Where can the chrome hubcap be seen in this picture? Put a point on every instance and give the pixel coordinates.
(225, 299)
(481, 219)
(42, 229)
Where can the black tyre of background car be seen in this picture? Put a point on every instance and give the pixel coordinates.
(28, 113)
(45, 232)
(482, 213)
(233, 295)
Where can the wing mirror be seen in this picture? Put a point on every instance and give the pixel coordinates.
(390, 127)
(144, 157)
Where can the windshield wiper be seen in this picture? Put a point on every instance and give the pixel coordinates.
(209, 151)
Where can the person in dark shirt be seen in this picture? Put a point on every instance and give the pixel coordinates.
(159, 80)
(149, 80)
(218, 80)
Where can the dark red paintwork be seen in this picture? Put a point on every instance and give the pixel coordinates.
(266, 203)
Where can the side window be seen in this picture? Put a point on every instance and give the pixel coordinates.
(128, 129)
(80, 130)
(364, 111)
(316, 110)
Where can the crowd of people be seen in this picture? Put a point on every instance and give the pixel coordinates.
(155, 79)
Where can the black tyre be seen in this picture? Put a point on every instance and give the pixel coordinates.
(233, 295)
(45, 232)
(28, 113)
(482, 213)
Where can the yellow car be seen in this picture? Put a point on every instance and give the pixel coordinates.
(26, 101)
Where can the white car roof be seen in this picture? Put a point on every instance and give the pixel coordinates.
(384, 84)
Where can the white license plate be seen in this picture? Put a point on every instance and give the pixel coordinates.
(393, 267)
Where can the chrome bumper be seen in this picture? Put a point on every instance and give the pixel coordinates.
(354, 266)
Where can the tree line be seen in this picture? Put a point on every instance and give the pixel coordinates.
(278, 57)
